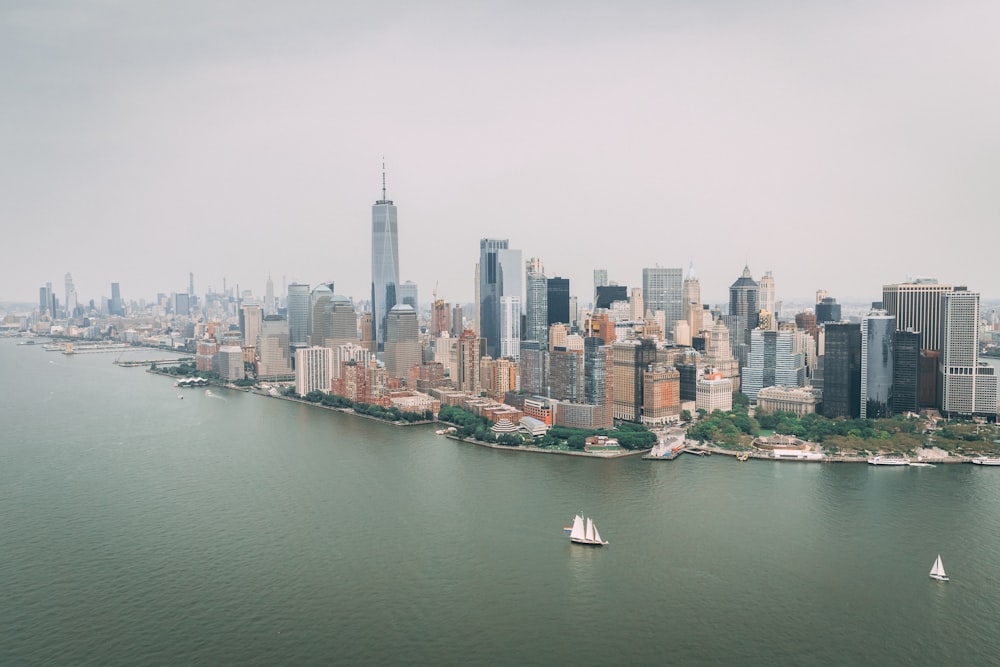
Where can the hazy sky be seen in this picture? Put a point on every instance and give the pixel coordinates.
(840, 145)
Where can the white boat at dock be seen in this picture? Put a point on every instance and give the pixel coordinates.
(987, 460)
(889, 461)
(937, 570)
(584, 531)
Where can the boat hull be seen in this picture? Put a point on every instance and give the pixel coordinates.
(983, 461)
(589, 543)
(938, 577)
(879, 461)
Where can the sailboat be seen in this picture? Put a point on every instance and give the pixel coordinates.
(585, 532)
(937, 572)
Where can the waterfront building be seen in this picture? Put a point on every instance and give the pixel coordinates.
(827, 310)
(629, 359)
(227, 363)
(597, 382)
(499, 275)
(349, 353)
(714, 392)
(426, 376)
(772, 362)
(662, 289)
(917, 306)
(578, 415)
(510, 327)
(273, 351)
(313, 370)
(906, 372)
(298, 303)
(967, 387)
(498, 376)
(468, 363)
(878, 330)
(533, 362)
(557, 297)
(842, 370)
(566, 375)
(799, 400)
(205, 354)
(402, 342)
(385, 264)
(661, 395)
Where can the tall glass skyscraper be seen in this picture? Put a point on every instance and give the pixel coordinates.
(499, 275)
(385, 263)
(878, 330)
(662, 289)
(298, 314)
(537, 307)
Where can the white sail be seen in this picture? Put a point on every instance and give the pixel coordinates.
(938, 569)
(597, 535)
(590, 529)
(577, 533)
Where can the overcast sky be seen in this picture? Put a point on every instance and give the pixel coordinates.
(840, 145)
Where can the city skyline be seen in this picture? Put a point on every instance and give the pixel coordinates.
(794, 141)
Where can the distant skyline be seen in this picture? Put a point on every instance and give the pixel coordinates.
(840, 147)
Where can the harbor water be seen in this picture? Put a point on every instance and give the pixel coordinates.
(231, 528)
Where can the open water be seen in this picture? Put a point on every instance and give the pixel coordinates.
(236, 529)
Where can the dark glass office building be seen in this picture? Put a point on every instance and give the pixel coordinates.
(842, 371)
(558, 300)
(906, 373)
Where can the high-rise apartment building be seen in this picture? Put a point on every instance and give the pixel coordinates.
(566, 375)
(468, 362)
(385, 264)
(510, 327)
(967, 387)
(917, 306)
(536, 325)
(313, 370)
(878, 330)
(534, 360)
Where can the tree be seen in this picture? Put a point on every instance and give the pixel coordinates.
(685, 415)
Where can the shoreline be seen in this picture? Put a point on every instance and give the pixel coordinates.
(539, 450)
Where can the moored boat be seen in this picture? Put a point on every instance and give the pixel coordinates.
(987, 460)
(889, 461)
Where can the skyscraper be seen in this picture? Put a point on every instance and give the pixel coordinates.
(600, 280)
(407, 293)
(917, 306)
(691, 301)
(767, 299)
(558, 300)
(116, 300)
(510, 327)
(70, 303)
(537, 307)
(298, 303)
(662, 289)
(967, 387)
(269, 307)
(385, 263)
(319, 302)
(906, 372)
(744, 300)
(842, 370)
(402, 342)
(499, 275)
(772, 362)
(827, 310)
(878, 330)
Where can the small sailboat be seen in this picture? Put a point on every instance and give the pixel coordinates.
(585, 532)
(937, 572)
